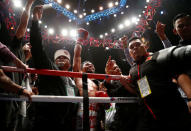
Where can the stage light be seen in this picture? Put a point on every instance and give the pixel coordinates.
(106, 34)
(106, 48)
(134, 20)
(161, 12)
(101, 36)
(51, 31)
(80, 16)
(45, 26)
(59, 1)
(122, 12)
(17, 3)
(28, 29)
(70, 20)
(73, 33)
(87, 23)
(110, 5)
(116, 3)
(67, 6)
(127, 23)
(139, 15)
(115, 15)
(127, 6)
(121, 26)
(64, 32)
(40, 22)
(145, 6)
(147, 1)
(75, 11)
(84, 14)
(92, 10)
(113, 30)
(23, 8)
(101, 8)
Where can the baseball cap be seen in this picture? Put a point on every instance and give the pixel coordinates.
(61, 52)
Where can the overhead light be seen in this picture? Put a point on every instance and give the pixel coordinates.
(73, 33)
(145, 6)
(115, 15)
(70, 20)
(140, 15)
(147, 1)
(113, 30)
(17, 3)
(122, 12)
(161, 12)
(45, 26)
(143, 11)
(106, 34)
(127, 23)
(64, 32)
(101, 36)
(59, 1)
(101, 8)
(84, 13)
(87, 23)
(127, 6)
(40, 22)
(121, 26)
(51, 31)
(110, 5)
(106, 48)
(134, 20)
(92, 10)
(28, 29)
(116, 3)
(75, 11)
(80, 16)
(67, 6)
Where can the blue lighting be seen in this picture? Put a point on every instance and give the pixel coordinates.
(59, 8)
(88, 18)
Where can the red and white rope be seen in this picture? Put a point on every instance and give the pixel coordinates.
(60, 73)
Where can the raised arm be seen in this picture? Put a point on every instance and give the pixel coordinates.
(24, 20)
(126, 50)
(77, 58)
(160, 30)
(39, 56)
(82, 35)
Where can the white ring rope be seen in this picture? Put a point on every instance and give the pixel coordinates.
(46, 98)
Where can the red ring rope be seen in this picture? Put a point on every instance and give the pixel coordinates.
(60, 73)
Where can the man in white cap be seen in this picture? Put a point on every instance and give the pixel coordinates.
(52, 116)
(62, 59)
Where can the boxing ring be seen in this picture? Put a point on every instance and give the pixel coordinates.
(74, 99)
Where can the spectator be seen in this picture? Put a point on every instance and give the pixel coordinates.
(52, 116)
(151, 76)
